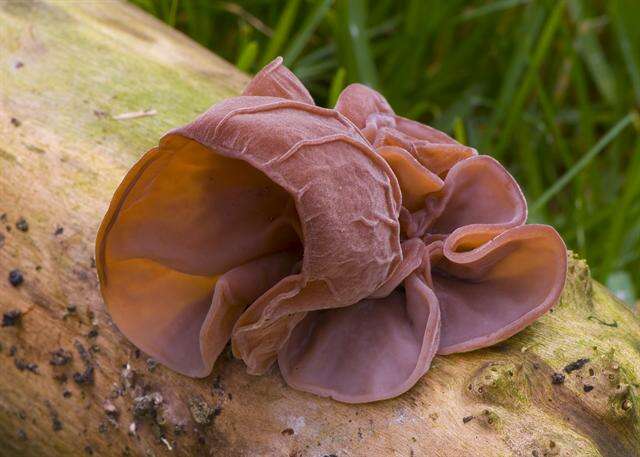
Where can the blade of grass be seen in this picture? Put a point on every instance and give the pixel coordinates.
(529, 28)
(309, 26)
(171, 18)
(589, 48)
(583, 162)
(629, 48)
(540, 53)
(337, 84)
(459, 132)
(247, 56)
(500, 5)
(630, 193)
(357, 20)
(281, 32)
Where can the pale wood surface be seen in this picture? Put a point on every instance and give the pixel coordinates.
(65, 69)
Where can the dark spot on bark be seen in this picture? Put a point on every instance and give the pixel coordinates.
(103, 428)
(23, 365)
(557, 378)
(11, 318)
(93, 333)
(573, 366)
(22, 225)
(56, 424)
(22, 435)
(86, 377)
(93, 262)
(201, 411)
(60, 377)
(287, 432)
(147, 406)
(88, 450)
(60, 357)
(2, 238)
(151, 364)
(18, 65)
(16, 278)
(587, 388)
(466, 419)
(12, 351)
(59, 230)
(16, 122)
(66, 393)
(591, 372)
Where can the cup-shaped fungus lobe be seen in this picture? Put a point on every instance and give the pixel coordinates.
(351, 245)
(491, 274)
(376, 349)
(265, 201)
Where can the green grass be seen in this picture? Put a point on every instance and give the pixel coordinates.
(549, 87)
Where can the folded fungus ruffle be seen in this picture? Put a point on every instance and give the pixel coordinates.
(350, 244)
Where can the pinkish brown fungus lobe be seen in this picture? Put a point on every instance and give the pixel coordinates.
(351, 245)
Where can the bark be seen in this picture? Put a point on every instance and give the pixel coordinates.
(70, 384)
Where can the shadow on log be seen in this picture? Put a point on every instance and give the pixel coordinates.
(71, 385)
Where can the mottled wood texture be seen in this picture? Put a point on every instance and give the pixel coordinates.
(66, 68)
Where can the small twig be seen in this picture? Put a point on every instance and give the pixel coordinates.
(600, 321)
(135, 114)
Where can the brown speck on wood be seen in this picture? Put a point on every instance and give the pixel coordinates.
(466, 419)
(11, 318)
(201, 411)
(573, 366)
(587, 388)
(15, 122)
(147, 405)
(60, 357)
(287, 432)
(23, 365)
(151, 364)
(59, 230)
(22, 225)
(56, 424)
(557, 378)
(15, 277)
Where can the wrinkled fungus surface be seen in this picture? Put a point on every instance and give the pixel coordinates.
(351, 245)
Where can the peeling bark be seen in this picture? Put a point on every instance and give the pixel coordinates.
(70, 384)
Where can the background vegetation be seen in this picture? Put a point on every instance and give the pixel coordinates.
(550, 88)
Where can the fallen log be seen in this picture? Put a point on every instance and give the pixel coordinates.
(86, 88)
